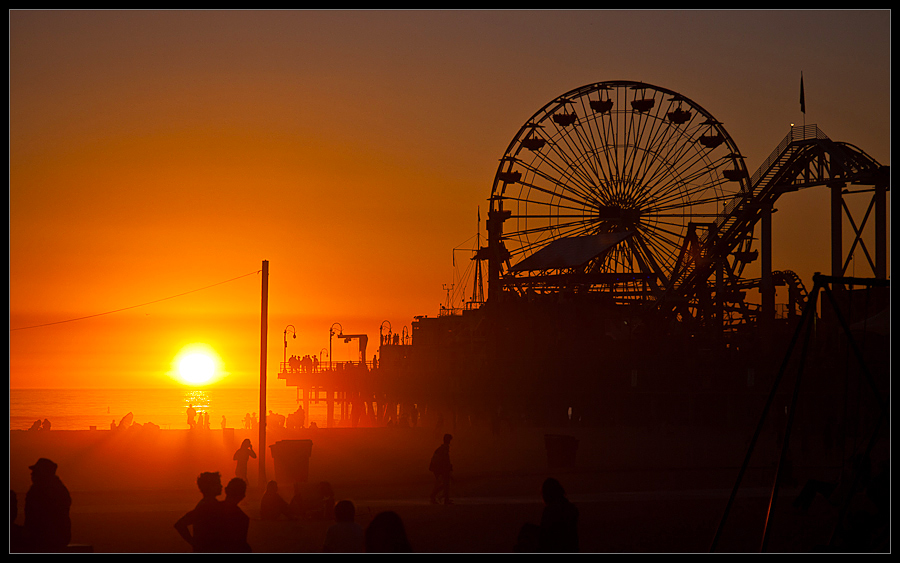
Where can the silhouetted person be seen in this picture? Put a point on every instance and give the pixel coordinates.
(206, 420)
(439, 425)
(386, 534)
(45, 425)
(234, 522)
(242, 456)
(18, 539)
(223, 422)
(36, 425)
(345, 535)
(47, 504)
(112, 424)
(559, 520)
(272, 506)
(191, 413)
(298, 503)
(441, 467)
(325, 508)
(205, 517)
(301, 416)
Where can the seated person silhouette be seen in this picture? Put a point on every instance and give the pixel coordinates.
(345, 535)
(272, 506)
(47, 504)
(204, 518)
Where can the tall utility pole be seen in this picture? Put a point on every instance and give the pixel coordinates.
(263, 327)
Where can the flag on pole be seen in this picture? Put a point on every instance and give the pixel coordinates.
(802, 97)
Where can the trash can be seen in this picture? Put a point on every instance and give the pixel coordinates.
(291, 459)
(561, 450)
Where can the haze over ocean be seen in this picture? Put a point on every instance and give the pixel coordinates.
(79, 409)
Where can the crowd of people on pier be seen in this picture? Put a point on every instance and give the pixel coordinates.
(306, 364)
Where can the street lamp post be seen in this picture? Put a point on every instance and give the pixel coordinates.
(381, 336)
(294, 331)
(331, 333)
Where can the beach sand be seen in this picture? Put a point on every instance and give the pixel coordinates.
(637, 490)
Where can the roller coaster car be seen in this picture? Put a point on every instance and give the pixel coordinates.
(747, 256)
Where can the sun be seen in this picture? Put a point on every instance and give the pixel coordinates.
(196, 364)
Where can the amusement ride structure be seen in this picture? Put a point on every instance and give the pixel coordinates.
(638, 192)
(621, 259)
(621, 230)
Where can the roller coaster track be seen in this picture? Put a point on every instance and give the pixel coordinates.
(806, 157)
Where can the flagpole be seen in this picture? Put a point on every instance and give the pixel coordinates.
(802, 100)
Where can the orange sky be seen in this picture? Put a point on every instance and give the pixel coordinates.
(154, 153)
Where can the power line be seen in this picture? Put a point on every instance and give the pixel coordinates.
(136, 306)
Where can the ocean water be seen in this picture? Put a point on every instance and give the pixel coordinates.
(79, 409)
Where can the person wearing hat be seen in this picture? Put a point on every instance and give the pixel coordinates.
(47, 504)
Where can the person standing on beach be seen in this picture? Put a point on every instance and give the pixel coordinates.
(47, 503)
(235, 524)
(441, 467)
(204, 519)
(242, 457)
(191, 413)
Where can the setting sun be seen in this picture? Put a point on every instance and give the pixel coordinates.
(196, 364)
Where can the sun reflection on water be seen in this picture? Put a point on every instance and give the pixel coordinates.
(198, 398)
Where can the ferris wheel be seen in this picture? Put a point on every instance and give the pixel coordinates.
(600, 187)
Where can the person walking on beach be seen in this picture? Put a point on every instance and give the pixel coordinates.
(47, 503)
(441, 467)
(242, 456)
(204, 519)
